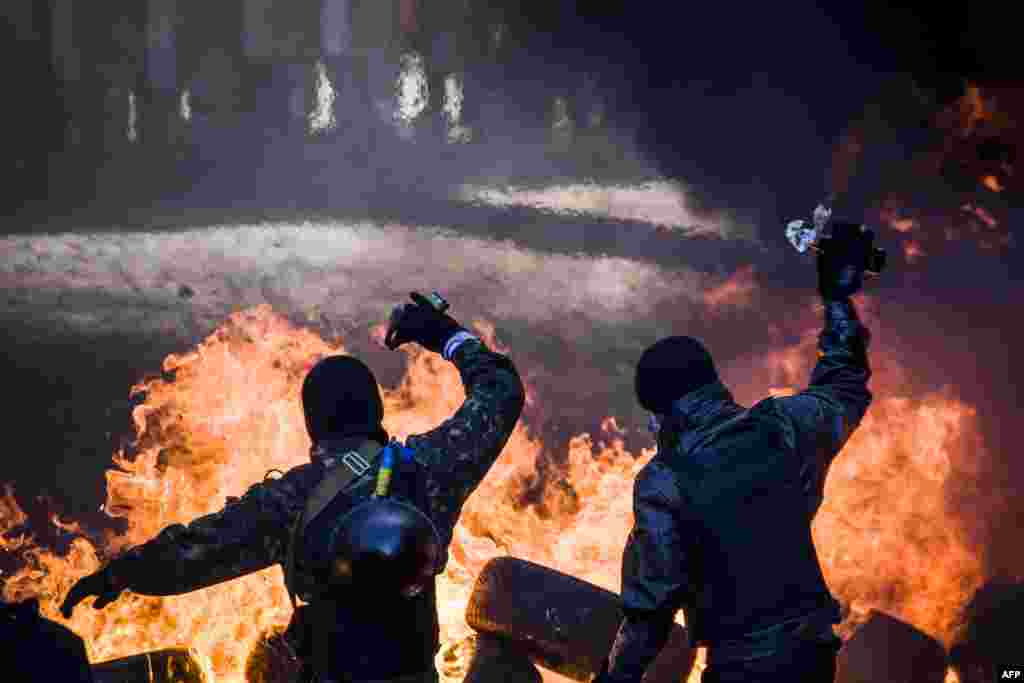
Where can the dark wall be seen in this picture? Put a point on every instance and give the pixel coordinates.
(32, 119)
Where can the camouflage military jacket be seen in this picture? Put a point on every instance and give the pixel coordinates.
(253, 532)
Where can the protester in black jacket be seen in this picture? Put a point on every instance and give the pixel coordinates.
(723, 512)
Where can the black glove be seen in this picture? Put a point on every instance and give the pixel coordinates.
(422, 323)
(101, 584)
(842, 260)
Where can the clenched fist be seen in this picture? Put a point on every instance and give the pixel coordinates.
(100, 584)
(420, 322)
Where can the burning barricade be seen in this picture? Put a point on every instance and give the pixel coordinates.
(225, 413)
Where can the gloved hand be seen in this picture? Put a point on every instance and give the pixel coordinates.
(101, 584)
(422, 323)
(842, 262)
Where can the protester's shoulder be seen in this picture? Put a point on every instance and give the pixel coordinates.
(300, 474)
(656, 482)
(767, 410)
(764, 414)
(765, 420)
(297, 482)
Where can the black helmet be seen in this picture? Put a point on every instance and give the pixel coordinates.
(386, 546)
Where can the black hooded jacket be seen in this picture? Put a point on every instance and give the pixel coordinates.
(723, 512)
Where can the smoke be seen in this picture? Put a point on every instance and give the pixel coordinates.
(575, 324)
(935, 179)
(187, 282)
(577, 278)
(662, 203)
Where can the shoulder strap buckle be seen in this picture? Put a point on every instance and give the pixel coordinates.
(335, 480)
(356, 462)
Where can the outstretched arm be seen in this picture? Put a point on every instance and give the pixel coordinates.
(248, 535)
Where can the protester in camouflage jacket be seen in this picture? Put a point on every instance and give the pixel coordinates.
(723, 512)
(253, 532)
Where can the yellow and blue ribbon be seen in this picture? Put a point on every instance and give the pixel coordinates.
(387, 465)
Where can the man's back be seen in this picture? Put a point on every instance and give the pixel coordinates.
(342, 407)
(362, 619)
(741, 496)
(723, 512)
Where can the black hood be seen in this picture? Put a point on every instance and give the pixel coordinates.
(671, 369)
(340, 398)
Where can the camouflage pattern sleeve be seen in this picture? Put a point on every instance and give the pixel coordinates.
(459, 452)
(251, 533)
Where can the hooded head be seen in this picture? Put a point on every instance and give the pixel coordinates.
(341, 399)
(671, 369)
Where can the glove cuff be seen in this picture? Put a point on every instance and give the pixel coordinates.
(454, 341)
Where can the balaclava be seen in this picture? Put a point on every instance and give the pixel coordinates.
(340, 399)
(670, 369)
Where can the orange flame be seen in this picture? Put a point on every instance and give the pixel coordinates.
(887, 537)
(903, 224)
(982, 215)
(992, 183)
(232, 412)
(912, 251)
(974, 107)
(737, 290)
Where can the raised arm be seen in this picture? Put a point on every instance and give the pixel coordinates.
(825, 414)
(247, 535)
(460, 451)
(832, 406)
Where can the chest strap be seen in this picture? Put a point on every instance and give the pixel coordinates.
(349, 467)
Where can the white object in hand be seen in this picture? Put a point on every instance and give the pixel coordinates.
(801, 234)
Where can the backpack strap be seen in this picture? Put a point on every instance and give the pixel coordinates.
(350, 466)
